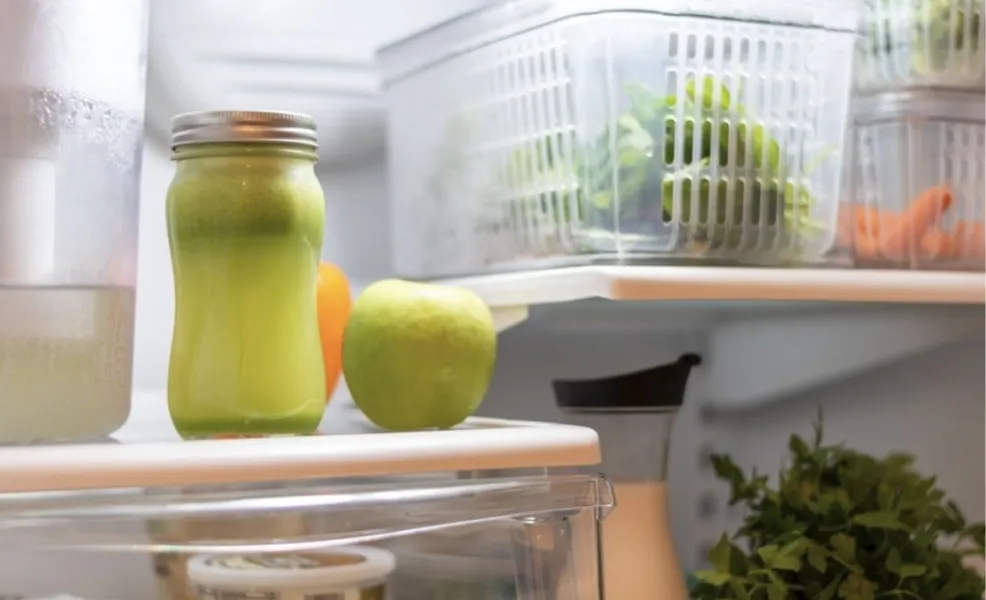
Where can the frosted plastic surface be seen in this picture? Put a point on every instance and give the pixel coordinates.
(71, 126)
(527, 149)
(901, 153)
(931, 43)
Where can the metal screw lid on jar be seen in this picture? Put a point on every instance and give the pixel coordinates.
(218, 126)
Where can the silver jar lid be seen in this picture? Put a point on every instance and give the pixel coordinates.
(217, 126)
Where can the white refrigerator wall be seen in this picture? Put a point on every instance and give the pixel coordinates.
(932, 405)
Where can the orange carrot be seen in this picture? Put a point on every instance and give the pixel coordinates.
(970, 240)
(845, 227)
(937, 245)
(866, 247)
(917, 219)
(874, 223)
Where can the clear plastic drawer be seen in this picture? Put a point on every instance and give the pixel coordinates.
(335, 516)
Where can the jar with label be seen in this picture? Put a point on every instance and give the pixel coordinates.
(348, 573)
(245, 216)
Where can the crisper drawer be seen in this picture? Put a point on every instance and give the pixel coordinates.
(536, 133)
(351, 513)
(919, 181)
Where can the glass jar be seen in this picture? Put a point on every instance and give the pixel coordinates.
(245, 218)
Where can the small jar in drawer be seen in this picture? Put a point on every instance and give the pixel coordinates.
(918, 181)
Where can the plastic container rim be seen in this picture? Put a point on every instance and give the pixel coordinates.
(374, 568)
(502, 20)
(933, 104)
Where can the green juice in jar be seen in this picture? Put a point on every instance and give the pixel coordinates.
(245, 216)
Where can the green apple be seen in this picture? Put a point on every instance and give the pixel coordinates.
(418, 355)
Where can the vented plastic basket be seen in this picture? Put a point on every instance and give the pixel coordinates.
(536, 133)
(919, 181)
(921, 43)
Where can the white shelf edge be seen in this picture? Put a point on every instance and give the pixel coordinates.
(486, 444)
(718, 283)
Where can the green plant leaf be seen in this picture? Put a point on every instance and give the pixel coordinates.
(882, 519)
(776, 591)
(817, 429)
(716, 578)
(786, 563)
(767, 553)
(796, 547)
(829, 591)
(706, 97)
(645, 104)
(720, 554)
(738, 590)
(912, 571)
(893, 562)
(798, 447)
(857, 587)
(818, 558)
(845, 548)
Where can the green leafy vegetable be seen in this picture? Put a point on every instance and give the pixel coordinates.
(842, 525)
(701, 159)
(731, 172)
(938, 32)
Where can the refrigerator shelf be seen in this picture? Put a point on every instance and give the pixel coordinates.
(506, 292)
(133, 461)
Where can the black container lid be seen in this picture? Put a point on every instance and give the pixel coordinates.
(660, 387)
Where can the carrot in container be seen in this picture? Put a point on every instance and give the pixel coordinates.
(922, 214)
(845, 228)
(937, 245)
(871, 221)
(970, 240)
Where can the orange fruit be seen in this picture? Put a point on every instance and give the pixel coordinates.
(334, 304)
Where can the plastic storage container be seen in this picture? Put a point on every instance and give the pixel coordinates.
(221, 519)
(918, 180)
(537, 133)
(71, 129)
(460, 564)
(925, 43)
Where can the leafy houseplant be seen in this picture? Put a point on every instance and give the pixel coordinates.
(842, 525)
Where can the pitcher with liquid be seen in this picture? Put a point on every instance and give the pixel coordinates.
(71, 133)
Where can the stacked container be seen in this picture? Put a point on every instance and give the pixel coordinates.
(917, 166)
(542, 133)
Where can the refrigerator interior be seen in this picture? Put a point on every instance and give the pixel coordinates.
(930, 402)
